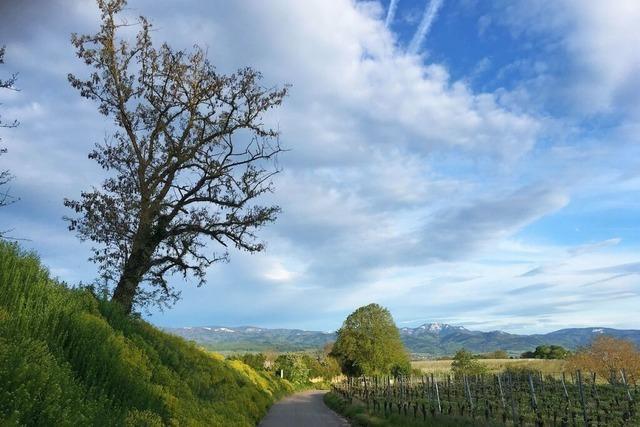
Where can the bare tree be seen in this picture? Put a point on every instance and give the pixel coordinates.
(5, 175)
(608, 357)
(189, 157)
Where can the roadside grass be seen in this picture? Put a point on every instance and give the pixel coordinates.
(67, 358)
(443, 367)
(357, 414)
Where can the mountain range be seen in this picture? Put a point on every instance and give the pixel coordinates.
(430, 339)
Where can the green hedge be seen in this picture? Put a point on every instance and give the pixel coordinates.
(68, 359)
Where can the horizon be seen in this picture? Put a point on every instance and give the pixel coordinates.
(594, 327)
(469, 162)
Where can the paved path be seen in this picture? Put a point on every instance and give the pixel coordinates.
(304, 409)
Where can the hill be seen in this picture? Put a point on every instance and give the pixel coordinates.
(433, 339)
(251, 338)
(67, 358)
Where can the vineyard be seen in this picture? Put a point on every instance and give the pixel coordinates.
(513, 399)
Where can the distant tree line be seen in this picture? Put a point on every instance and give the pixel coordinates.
(368, 343)
(299, 368)
(547, 352)
(498, 354)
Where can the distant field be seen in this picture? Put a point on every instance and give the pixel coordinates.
(494, 365)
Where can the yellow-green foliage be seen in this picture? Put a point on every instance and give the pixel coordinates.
(67, 358)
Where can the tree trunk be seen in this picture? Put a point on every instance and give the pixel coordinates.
(125, 292)
(134, 270)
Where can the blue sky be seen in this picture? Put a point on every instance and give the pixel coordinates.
(469, 162)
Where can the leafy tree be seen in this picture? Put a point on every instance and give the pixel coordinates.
(368, 343)
(5, 175)
(607, 356)
(465, 364)
(547, 352)
(313, 364)
(331, 367)
(188, 159)
(321, 365)
(293, 367)
(401, 369)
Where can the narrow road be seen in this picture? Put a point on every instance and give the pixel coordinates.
(304, 409)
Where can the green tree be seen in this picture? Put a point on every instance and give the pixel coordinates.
(547, 352)
(293, 367)
(465, 364)
(368, 343)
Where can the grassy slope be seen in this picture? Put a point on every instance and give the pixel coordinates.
(69, 359)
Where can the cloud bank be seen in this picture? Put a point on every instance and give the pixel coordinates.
(403, 185)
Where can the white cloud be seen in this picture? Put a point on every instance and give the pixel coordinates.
(400, 180)
(430, 14)
(353, 85)
(600, 39)
(391, 12)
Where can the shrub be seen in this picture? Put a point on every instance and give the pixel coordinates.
(464, 364)
(401, 369)
(293, 367)
(255, 360)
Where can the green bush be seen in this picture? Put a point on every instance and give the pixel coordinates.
(465, 364)
(321, 366)
(293, 367)
(547, 352)
(67, 358)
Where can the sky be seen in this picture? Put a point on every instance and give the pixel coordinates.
(469, 162)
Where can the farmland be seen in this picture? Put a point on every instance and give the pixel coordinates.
(518, 399)
(443, 367)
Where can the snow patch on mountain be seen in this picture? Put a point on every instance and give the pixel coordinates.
(435, 328)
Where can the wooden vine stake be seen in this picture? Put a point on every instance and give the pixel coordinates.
(501, 392)
(584, 407)
(626, 385)
(435, 383)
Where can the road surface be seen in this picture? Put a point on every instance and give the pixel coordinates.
(304, 409)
